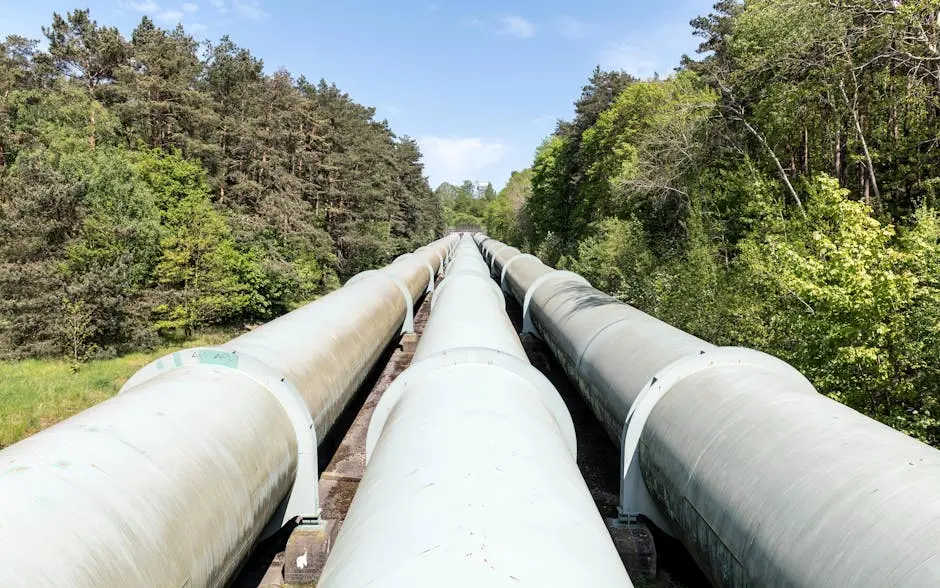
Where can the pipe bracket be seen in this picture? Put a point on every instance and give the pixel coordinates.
(527, 325)
(635, 499)
(409, 325)
(430, 286)
(303, 500)
(492, 260)
(502, 277)
(440, 257)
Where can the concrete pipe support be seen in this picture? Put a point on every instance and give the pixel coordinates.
(472, 478)
(767, 482)
(170, 482)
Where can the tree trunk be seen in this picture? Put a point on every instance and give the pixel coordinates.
(91, 138)
(838, 161)
(867, 189)
(805, 151)
(856, 118)
(776, 160)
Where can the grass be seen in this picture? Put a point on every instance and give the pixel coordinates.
(37, 393)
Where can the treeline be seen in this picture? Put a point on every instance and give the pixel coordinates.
(464, 205)
(477, 205)
(156, 185)
(779, 192)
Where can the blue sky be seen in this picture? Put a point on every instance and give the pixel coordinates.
(478, 84)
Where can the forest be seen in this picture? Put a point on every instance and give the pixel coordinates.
(156, 185)
(778, 191)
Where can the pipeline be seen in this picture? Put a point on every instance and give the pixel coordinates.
(765, 481)
(172, 481)
(472, 477)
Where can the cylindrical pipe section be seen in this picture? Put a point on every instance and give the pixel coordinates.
(767, 482)
(591, 334)
(164, 485)
(471, 477)
(170, 482)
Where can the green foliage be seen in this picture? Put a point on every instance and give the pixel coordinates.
(547, 209)
(210, 281)
(779, 193)
(465, 204)
(498, 218)
(76, 328)
(160, 187)
(848, 291)
(617, 260)
(504, 217)
(109, 261)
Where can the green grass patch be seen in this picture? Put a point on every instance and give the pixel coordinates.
(37, 393)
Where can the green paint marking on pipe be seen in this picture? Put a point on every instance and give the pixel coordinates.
(177, 360)
(160, 364)
(221, 358)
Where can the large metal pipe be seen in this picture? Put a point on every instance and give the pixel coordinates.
(766, 481)
(472, 478)
(170, 482)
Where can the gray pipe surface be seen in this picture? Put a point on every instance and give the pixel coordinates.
(170, 482)
(766, 482)
(471, 477)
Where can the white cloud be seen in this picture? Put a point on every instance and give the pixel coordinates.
(219, 5)
(644, 53)
(630, 58)
(171, 16)
(455, 159)
(196, 27)
(190, 7)
(516, 26)
(250, 9)
(144, 6)
(573, 28)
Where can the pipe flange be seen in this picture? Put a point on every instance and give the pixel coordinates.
(472, 356)
(409, 325)
(430, 286)
(527, 325)
(634, 496)
(502, 277)
(303, 499)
